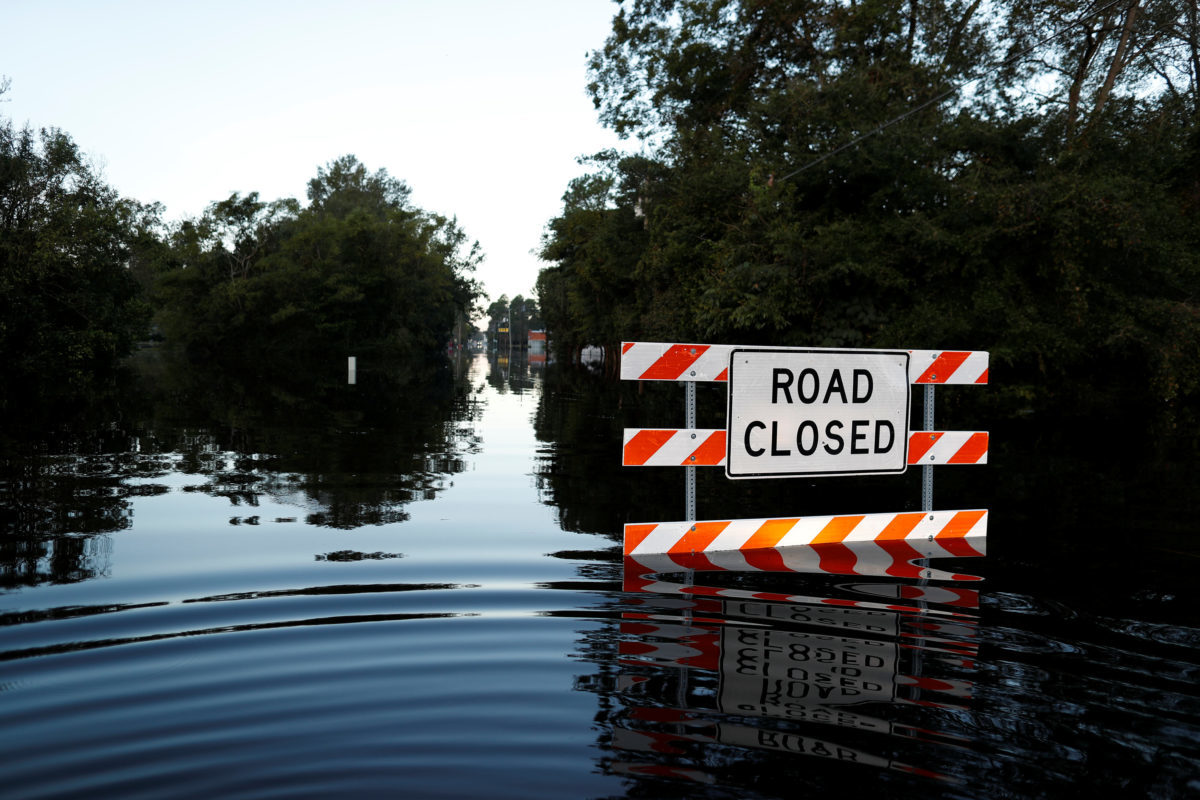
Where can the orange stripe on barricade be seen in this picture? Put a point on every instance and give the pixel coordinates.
(769, 534)
(920, 443)
(711, 451)
(953, 536)
(932, 448)
(837, 530)
(636, 534)
(698, 538)
(645, 444)
(971, 452)
(900, 527)
(943, 367)
(673, 363)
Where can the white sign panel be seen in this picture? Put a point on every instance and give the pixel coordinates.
(811, 412)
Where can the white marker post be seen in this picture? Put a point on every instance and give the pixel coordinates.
(351, 370)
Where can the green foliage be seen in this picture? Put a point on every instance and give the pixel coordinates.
(358, 270)
(1048, 214)
(69, 303)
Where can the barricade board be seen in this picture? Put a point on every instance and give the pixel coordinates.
(705, 447)
(663, 361)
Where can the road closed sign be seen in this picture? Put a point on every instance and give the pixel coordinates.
(816, 412)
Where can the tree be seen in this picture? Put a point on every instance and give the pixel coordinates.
(880, 174)
(69, 304)
(359, 269)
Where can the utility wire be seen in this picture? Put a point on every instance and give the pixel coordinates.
(951, 91)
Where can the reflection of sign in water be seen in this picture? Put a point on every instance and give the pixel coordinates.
(704, 732)
(784, 659)
(905, 596)
(790, 674)
(817, 412)
(779, 673)
(864, 620)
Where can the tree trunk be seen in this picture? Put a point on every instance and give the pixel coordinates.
(1118, 60)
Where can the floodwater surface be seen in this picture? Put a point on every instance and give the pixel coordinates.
(414, 586)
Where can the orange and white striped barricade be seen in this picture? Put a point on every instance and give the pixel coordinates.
(932, 533)
(706, 447)
(775, 378)
(659, 361)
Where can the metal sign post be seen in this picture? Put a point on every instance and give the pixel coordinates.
(927, 470)
(689, 495)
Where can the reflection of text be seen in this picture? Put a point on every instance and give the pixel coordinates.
(850, 619)
(779, 673)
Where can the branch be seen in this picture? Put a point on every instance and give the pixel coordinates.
(1118, 60)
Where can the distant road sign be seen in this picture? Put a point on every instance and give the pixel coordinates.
(814, 412)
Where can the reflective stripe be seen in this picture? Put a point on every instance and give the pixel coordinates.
(705, 447)
(959, 533)
(663, 361)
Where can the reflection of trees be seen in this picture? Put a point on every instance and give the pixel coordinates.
(59, 498)
(344, 456)
(510, 373)
(581, 417)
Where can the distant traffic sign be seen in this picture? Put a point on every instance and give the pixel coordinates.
(815, 412)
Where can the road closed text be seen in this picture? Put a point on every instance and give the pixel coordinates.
(817, 412)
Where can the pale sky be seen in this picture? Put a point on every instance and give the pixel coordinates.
(481, 107)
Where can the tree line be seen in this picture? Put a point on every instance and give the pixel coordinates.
(85, 273)
(1017, 176)
(510, 321)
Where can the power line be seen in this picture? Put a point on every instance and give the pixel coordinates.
(951, 91)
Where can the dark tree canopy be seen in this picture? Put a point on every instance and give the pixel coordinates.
(1018, 176)
(357, 270)
(69, 303)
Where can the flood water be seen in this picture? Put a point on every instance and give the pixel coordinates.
(414, 586)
